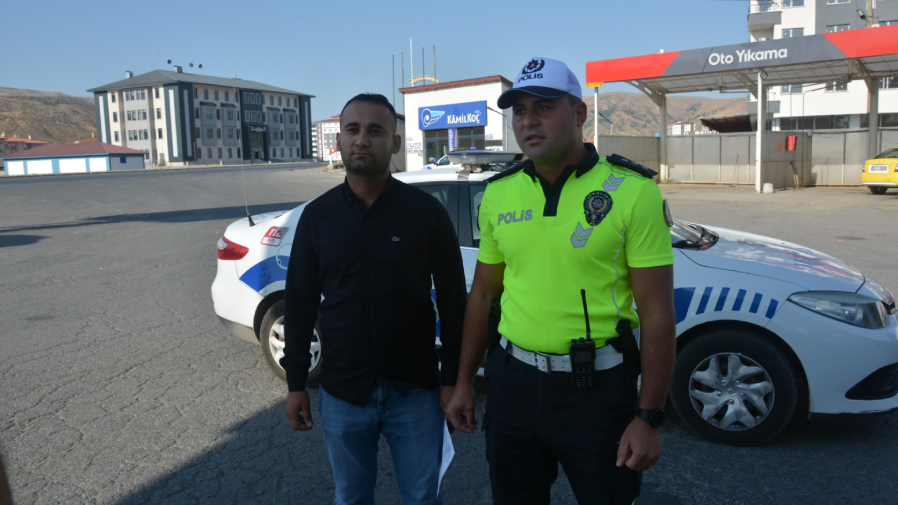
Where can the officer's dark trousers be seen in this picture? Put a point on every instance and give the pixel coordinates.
(536, 420)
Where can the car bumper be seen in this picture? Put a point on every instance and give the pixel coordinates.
(881, 184)
(837, 358)
(234, 301)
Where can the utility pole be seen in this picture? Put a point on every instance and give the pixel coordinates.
(411, 60)
(423, 68)
(869, 13)
(434, 61)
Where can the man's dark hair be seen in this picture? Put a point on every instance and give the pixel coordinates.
(373, 98)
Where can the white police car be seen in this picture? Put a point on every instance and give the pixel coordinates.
(766, 329)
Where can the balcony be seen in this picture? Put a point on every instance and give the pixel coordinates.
(762, 6)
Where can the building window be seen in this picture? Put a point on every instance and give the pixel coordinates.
(238, 133)
(230, 133)
(836, 86)
(194, 93)
(116, 136)
(209, 152)
(199, 153)
(218, 132)
(197, 134)
(294, 103)
(143, 114)
(271, 101)
(889, 83)
(155, 92)
(238, 152)
(793, 3)
(216, 94)
(793, 32)
(281, 117)
(219, 153)
(206, 97)
(226, 97)
(112, 97)
(279, 102)
(196, 113)
(158, 133)
(794, 89)
(230, 152)
(208, 112)
(218, 114)
(115, 117)
(238, 115)
(837, 28)
(282, 152)
(834, 2)
(291, 152)
(146, 134)
(209, 134)
(274, 152)
(230, 114)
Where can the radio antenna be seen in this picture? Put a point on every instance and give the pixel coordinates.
(250, 218)
(586, 314)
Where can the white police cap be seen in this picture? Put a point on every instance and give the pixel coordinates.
(543, 77)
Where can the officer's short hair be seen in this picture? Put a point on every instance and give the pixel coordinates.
(373, 98)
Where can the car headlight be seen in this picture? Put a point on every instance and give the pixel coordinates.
(851, 308)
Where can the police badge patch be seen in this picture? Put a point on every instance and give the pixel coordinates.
(597, 205)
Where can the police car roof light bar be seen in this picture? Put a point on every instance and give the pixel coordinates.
(586, 314)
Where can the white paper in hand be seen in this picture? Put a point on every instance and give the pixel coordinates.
(448, 454)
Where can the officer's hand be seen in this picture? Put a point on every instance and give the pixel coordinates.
(640, 447)
(297, 402)
(460, 411)
(445, 397)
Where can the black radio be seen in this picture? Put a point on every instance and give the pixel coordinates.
(583, 355)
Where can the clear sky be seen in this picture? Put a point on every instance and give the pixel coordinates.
(334, 49)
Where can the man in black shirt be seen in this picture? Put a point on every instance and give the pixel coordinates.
(370, 248)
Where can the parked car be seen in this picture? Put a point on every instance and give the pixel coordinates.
(881, 173)
(766, 329)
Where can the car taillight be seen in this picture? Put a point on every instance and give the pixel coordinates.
(228, 250)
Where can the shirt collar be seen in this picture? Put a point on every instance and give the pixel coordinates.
(351, 198)
(585, 165)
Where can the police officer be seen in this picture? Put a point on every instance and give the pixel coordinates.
(564, 221)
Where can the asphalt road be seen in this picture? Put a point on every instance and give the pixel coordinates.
(118, 384)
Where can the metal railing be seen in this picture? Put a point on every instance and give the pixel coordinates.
(757, 6)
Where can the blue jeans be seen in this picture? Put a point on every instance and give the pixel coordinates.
(413, 426)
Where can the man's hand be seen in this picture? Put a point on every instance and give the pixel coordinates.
(640, 447)
(445, 396)
(297, 402)
(460, 410)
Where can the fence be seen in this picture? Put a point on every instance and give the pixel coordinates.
(642, 150)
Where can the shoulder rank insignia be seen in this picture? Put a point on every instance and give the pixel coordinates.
(597, 205)
(508, 171)
(642, 170)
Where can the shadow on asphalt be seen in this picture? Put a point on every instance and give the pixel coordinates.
(172, 216)
(17, 240)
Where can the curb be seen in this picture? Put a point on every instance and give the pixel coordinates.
(160, 169)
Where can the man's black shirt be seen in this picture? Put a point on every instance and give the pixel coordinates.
(373, 266)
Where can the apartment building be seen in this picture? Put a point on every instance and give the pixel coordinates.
(177, 118)
(822, 105)
(324, 133)
(14, 144)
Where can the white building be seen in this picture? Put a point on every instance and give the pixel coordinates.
(178, 118)
(324, 136)
(455, 115)
(821, 105)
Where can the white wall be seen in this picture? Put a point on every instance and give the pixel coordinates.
(39, 167)
(15, 168)
(72, 165)
(412, 101)
(98, 164)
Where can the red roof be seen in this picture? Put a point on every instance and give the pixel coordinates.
(455, 84)
(21, 140)
(52, 150)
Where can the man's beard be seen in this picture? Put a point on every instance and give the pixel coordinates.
(372, 165)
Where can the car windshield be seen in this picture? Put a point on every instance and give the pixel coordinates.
(691, 236)
(443, 161)
(891, 153)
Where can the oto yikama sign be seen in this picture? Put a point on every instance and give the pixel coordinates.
(456, 115)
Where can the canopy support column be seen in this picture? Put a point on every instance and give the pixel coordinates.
(873, 115)
(662, 137)
(759, 140)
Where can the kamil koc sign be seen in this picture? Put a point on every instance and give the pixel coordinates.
(456, 115)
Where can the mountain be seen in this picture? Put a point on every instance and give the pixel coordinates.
(637, 114)
(59, 118)
(46, 115)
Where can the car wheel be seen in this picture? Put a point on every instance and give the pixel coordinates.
(733, 387)
(271, 338)
(878, 190)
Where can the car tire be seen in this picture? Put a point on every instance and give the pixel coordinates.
(878, 190)
(271, 339)
(731, 386)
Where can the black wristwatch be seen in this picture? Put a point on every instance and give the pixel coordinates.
(654, 417)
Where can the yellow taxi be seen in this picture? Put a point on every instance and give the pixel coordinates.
(881, 173)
